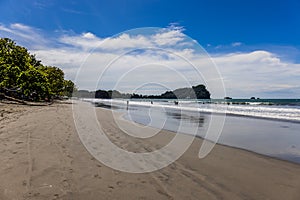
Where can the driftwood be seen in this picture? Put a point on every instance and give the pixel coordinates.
(22, 101)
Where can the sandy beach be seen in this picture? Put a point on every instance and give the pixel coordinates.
(43, 158)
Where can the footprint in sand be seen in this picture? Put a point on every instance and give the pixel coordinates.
(97, 176)
(119, 183)
(111, 187)
(65, 183)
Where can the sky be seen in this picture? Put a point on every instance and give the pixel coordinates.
(236, 48)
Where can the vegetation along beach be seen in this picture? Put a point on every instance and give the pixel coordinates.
(43, 158)
(149, 100)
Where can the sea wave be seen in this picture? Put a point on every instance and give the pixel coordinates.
(251, 109)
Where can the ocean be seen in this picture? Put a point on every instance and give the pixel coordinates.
(281, 109)
(265, 126)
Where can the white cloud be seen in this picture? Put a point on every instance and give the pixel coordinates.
(24, 34)
(22, 27)
(236, 44)
(158, 57)
(170, 37)
(257, 73)
(125, 41)
(161, 39)
(88, 35)
(85, 41)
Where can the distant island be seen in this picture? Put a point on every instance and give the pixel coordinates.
(195, 92)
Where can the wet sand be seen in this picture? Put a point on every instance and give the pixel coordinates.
(43, 158)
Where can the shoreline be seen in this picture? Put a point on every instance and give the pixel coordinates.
(44, 159)
(290, 157)
(188, 109)
(221, 144)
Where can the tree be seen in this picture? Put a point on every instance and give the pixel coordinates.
(23, 76)
(102, 94)
(69, 88)
(55, 79)
(13, 60)
(33, 84)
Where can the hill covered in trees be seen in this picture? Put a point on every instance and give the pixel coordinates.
(24, 77)
(196, 92)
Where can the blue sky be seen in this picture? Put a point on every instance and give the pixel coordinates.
(264, 33)
(209, 22)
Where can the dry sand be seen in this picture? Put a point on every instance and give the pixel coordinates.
(43, 158)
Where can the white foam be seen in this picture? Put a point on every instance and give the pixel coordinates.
(252, 110)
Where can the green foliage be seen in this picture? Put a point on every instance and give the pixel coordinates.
(69, 88)
(25, 77)
(13, 60)
(55, 78)
(33, 82)
(195, 92)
